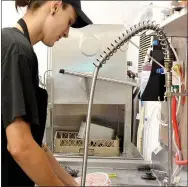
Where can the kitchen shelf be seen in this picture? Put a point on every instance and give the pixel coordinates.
(175, 25)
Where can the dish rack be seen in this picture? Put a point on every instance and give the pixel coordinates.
(68, 142)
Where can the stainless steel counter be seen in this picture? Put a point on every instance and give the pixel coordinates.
(129, 177)
(126, 171)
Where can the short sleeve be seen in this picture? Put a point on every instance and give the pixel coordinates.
(17, 90)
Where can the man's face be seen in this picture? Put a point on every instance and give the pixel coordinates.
(57, 25)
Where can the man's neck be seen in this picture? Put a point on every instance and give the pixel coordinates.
(34, 29)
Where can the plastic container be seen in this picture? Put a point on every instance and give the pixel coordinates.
(96, 179)
(96, 132)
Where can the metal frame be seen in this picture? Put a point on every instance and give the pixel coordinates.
(127, 109)
(128, 122)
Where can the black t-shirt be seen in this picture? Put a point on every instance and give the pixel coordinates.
(19, 97)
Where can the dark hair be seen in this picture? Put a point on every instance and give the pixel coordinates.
(32, 4)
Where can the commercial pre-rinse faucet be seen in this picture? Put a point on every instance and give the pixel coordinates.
(121, 40)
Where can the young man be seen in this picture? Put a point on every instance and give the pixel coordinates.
(24, 103)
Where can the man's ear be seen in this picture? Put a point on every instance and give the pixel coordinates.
(55, 6)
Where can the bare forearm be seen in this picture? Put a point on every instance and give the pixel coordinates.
(60, 172)
(36, 165)
(29, 155)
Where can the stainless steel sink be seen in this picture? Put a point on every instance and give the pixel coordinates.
(126, 171)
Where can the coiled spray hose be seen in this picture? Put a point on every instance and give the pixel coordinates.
(112, 49)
